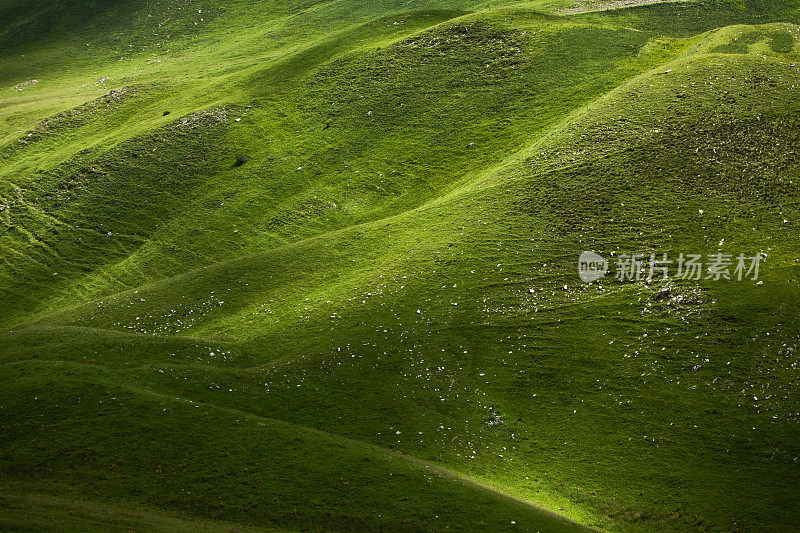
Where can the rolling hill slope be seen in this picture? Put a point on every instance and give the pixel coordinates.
(375, 321)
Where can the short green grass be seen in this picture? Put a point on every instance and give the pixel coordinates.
(375, 322)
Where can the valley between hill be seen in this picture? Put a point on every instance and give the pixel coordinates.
(292, 265)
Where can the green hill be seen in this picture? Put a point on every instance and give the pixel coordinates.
(313, 266)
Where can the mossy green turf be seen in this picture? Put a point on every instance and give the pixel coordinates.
(326, 336)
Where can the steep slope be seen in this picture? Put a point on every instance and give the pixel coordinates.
(345, 143)
(395, 269)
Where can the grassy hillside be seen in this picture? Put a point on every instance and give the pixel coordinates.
(373, 320)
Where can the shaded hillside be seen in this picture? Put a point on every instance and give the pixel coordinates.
(375, 321)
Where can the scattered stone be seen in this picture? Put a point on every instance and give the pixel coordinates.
(209, 117)
(662, 294)
(495, 419)
(24, 85)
